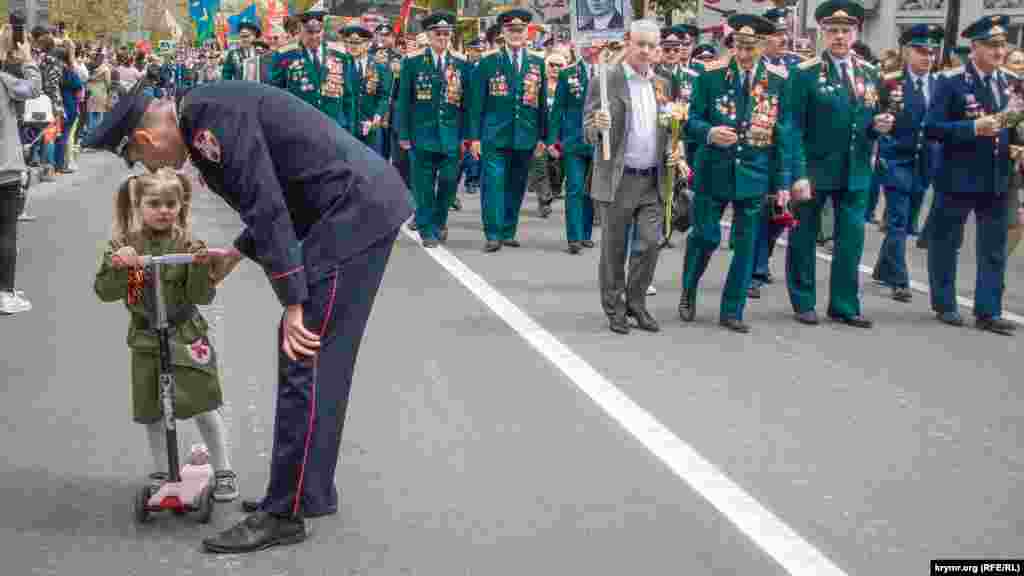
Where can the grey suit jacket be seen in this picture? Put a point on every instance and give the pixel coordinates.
(607, 174)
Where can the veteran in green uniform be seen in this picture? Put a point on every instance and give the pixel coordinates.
(836, 122)
(739, 112)
(315, 70)
(566, 141)
(370, 82)
(431, 111)
(234, 60)
(507, 126)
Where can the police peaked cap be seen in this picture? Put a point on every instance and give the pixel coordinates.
(115, 132)
(515, 16)
(251, 25)
(684, 30)
(778, 18)
(357, 30)
(704, 49)
(840, 12)
(438, 20)
(924, 35)
(317, 10)
(987, 28)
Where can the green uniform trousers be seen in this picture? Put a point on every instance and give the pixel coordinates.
(579, 209)
(704, 239)
(844, 278)
(434, 178)
(503, 185)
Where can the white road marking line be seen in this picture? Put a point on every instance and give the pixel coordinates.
(758, 523)
(916, 286)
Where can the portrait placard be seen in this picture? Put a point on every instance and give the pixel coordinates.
(594, 20)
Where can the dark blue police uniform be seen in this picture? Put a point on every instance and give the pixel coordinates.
(322, 212)
(973, 177)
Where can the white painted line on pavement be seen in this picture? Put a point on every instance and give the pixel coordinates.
(770, 533)
(916, 286)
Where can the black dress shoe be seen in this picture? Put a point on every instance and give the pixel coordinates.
(618, 324)
(257, 531)
(644, 320)
(951, 318)
(735, 325)
(902, 294)
(492, 246)
(544, 210)
(413, 226)
(429, 243)
(443, 236)
(754, 292)
(456, 205)
(574, 248)
(512, 242)
(687, 307)
(809, 317)
(997, 325)
(587, 243)
(857, 321)
(250, 505)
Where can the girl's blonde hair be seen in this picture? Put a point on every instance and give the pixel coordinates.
(128, 202)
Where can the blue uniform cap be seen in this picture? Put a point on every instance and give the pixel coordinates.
(439, 20)
(515, 16)
(987, 28)
(115, 132)
(924, 35)
(778, 18)
(686, 32)
(356, 33)
(847, 12)
(251, 25)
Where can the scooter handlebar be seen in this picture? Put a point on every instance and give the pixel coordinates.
(186, 258)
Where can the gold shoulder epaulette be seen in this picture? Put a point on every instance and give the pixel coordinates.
(288, 47)
(412, 55)
(809, 63)
(715, 65)
(458, 55)
(337, 46)
(893, 75)
(538, 53)
(953, 72)
(779, 71)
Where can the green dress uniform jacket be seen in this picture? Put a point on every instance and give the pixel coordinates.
(431, 104)
(197, 384)
(328, 88)
(566, 118)
(508, 107)
(370, 96)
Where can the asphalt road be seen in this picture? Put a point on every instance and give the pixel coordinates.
(469, 451)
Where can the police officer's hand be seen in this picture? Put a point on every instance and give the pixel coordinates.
(405, 144)
(987, 126)
(884, 122)
(723, 136)
(802, 191)
(474, 149)
(297, 341)
(125, 257)
(601, 120)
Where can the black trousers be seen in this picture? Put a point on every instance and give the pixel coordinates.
(312, 395)
(12, 200)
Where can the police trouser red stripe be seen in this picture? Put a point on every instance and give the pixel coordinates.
(312, 394)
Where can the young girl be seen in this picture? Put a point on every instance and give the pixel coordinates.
(152, 217)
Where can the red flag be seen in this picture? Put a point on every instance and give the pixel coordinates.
(403, 16)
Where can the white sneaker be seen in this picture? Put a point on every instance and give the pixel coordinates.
(14, 302)
(651, 290)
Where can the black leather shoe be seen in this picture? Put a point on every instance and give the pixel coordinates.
(250, 505)
(951, 318)
(687, 307)
(512, 242)
(902, 294)
(429, 243)
(257, 531)
(735, 325)
(544, 210)
(922, 243)
(997, 325)
(754, 292)
(574, 248)
(644, 320)
(456, 205)
(443, 236)
(413, 226)
(855, 321)
(492, 246)
(588, 243)
(809, 317)
(618, 324)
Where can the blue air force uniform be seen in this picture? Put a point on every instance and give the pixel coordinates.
(973, 177)
(322, 212)
(903, 166)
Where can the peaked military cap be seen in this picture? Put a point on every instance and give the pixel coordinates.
(115, 132)
(385, 29)
(671, 36)
(251, 25)
(748, 29)
(438, 21)
(840, 12)
(924, 35)
(475, 43)
(703, 51)
(987, 28)
(515, 16)
(778, 18)
(356, 33)
(315, 12)
(686, 32)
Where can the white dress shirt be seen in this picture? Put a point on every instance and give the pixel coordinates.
(641, 141)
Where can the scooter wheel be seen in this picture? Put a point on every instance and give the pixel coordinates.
(205, 505)
(141, 505)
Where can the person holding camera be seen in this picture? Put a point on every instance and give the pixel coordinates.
(13, 173)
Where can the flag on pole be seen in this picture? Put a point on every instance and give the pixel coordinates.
(247, 15)
(203, 14)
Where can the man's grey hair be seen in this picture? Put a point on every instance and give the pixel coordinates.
(644, 27)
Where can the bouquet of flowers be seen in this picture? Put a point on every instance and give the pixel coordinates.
(1013, 115)
(672, 116)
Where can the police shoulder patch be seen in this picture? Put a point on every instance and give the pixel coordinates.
(809, 63)
(779, 71)
(288, 47)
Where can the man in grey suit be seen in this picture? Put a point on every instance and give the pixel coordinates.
(625, 187)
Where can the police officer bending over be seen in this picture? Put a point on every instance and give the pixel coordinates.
(321, 212)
